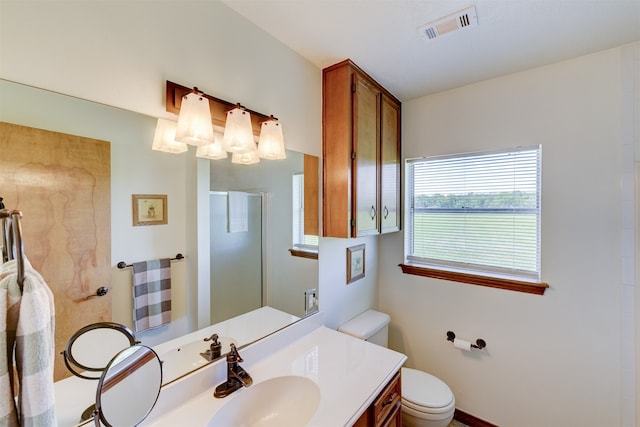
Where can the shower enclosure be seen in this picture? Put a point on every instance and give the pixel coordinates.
(236, 258)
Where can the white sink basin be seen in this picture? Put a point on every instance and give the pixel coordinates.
(277, 402)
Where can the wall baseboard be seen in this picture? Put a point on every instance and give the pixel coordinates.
(471, 420)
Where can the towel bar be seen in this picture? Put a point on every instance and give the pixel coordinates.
(121, 265)
(12, 244)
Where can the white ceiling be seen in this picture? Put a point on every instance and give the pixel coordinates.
(381, 36)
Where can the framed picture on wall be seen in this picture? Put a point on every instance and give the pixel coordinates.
(355, 263)
(149, 209)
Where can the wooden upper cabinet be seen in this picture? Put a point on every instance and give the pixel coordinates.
(390, 166)
(366, 153)
(361, 154)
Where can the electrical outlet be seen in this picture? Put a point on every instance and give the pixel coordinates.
(310, 301)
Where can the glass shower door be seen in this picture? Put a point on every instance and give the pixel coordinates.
(236, 259)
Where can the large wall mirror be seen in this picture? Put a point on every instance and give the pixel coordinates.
(243, 276)
(135, 168)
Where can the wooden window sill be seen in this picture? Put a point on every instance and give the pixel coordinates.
(475, 279)
(304, 253)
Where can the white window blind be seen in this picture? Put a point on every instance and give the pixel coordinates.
(477, 213)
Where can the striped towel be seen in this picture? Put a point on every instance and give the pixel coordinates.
(27, 333)
(151, 294)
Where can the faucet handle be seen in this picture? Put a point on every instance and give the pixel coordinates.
(233, 355)
(215, 349)
(213, 338)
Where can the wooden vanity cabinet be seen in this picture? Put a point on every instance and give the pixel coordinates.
(386, 410)
(361, 154)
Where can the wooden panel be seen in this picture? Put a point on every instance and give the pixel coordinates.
(390, 166)
(336, 152)
(365, 419)
(62, 184)
(311, 194)
(387, 401)
(395, 417)
(386, 409)
(471, 420)
(218, 107)
(365, 146)
(475, 279)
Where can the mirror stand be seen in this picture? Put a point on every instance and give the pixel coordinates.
(120, 401)
(108, 352)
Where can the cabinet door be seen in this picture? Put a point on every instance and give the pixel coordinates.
(365, 148)
(390, 166)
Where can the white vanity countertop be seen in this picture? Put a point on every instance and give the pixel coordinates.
(349, 372)
(181, 354)
(74, 395)
(244, 329)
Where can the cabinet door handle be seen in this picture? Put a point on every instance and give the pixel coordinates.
(373, 212)
(389, 401)
(386, 212)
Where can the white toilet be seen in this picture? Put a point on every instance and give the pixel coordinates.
(426, 400)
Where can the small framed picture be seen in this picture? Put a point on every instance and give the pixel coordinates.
(149, 209)
(355, 263)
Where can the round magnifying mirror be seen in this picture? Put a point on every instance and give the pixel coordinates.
(92, 347)
(129, 387)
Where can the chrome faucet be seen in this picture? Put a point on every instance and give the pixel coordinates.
(236, 376)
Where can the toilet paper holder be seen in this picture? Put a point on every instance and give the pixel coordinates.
(480, 343)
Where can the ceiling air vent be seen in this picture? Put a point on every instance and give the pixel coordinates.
(456, 21)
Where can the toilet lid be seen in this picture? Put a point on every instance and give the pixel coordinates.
(424, 390)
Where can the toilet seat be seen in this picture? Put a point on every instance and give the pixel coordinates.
(424, 393)
(429, 416)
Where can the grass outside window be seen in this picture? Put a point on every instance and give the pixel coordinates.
(475, 218)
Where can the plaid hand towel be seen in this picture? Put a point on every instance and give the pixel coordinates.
(27, 333)
(151, 294)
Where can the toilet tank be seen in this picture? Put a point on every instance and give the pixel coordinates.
(372, 326)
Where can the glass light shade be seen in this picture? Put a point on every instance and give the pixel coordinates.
(211, 151)
(165, 138)
(248, 158)
(271, 144)
(238, 132)
(194, 121)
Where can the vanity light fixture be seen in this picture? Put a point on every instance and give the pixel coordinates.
(271, 144)
(212, 151)
(238, 133)
(198, 113)
(248, 158)
(194, 121)
(165, 138)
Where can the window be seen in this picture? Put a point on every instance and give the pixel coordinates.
(476, 214)
(300, 240)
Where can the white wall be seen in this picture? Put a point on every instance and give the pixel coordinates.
(340, 301)
(629, 167)
(121, 54)
(552, 360)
